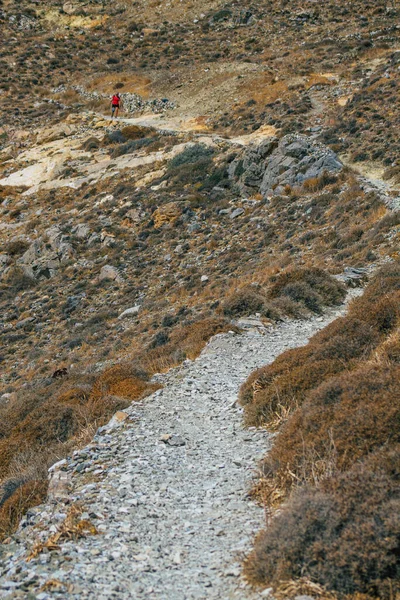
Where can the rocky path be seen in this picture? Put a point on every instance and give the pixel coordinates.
(167, 489)
(176, 124)
(371, 177)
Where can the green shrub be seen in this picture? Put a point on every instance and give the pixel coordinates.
(191, 154)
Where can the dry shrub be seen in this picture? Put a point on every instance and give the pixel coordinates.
(315, 184)
(248, 301)
(311, 286)
(283, 305)
(48, 425)
(389, 351)
(40, 427)
(338, 347)
(114, 389)
(262, 378)
(343, 535)
(16, 281)
(122, 380)
(75, 396)
(383, 314)
(281, 387)
(186, 341)
(24, 497)
(134, 132)
(16, 247)
(385, 281)
(294, 292)
(336, 457)
(92, 143)
(343, 420)
(303, 587)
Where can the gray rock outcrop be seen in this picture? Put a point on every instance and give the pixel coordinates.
(270, 166)
(45, 256)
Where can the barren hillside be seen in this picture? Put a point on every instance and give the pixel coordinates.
(251, 179)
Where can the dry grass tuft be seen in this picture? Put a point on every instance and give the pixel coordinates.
(122, 380)
(72, 528)
(24, 497)
(301, 587)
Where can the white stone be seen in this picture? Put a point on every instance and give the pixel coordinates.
(109, 272)
(130, 312)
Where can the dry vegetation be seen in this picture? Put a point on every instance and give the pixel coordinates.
(162, 243)
(42, 426)
(329, 71)
(293, 293)
(335, 461)
(74, 526)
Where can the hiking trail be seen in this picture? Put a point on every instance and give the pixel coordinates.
(167, 488)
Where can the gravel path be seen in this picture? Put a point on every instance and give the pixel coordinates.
(173, 512)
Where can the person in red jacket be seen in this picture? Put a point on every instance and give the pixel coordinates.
(115, 105)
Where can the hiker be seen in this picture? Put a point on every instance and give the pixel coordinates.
(115, 105)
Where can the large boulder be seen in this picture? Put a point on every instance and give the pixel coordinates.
(270, 166)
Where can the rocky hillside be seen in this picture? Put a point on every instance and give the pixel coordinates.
(251, 179)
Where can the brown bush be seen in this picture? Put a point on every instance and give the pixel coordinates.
(47, 425)
(389, 351)
(312, 286)
(16, 247)
(264, 377)
(283, 305)
(344, 420)
(281, 387)
(41, 426)
(293, 292)
(121, 380)
(186, 341)
(13, 509)
(134, 132)
(343, 534)
(246, 302)
(17, 281)
(315, 184)
(336, 456)
(385, 281)
(383, 314)
(74, 396)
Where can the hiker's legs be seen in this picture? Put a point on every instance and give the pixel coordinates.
(116, 112)
(112, 112)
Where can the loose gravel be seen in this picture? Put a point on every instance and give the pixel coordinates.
(167, 488)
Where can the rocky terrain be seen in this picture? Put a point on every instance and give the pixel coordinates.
(250, 181)
(164, 484)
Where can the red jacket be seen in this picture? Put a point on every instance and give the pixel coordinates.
(115, 101)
